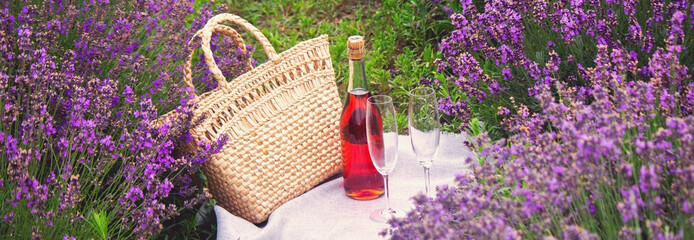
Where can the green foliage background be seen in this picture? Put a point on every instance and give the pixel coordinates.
(400, 35)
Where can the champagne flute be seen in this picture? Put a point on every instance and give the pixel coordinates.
(382, 139)
(423, 121)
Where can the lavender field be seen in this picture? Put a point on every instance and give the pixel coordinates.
(579, 112)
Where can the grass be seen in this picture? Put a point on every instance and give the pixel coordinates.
(401, 37)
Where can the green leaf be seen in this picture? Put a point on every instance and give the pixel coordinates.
(99, 222)
(475, 127)
(428, 54)
(506, 191)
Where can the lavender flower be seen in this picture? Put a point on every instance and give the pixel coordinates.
(78, 104)
(607, 152)
(495, 36)
(551, 182)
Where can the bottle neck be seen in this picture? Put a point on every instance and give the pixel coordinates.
(357, 75)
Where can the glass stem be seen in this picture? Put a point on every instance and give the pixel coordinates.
(427, 180)
(385, 180)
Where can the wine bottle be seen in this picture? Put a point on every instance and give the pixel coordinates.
(361, 179)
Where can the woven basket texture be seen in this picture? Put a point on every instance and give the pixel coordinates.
(282, 120)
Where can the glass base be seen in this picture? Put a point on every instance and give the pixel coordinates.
(384, 214)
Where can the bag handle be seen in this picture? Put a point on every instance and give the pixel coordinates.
(213, 26)
(267, 46)
(207, 52)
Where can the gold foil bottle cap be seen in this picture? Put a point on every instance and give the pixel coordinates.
(355, 48)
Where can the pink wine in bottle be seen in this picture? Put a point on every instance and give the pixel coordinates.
(361, 179)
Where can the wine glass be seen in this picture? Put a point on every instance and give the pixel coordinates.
(382, 139)
(423, 121)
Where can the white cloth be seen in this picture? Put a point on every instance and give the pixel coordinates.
(325, 212)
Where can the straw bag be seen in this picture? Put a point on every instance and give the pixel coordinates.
(282, 120)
